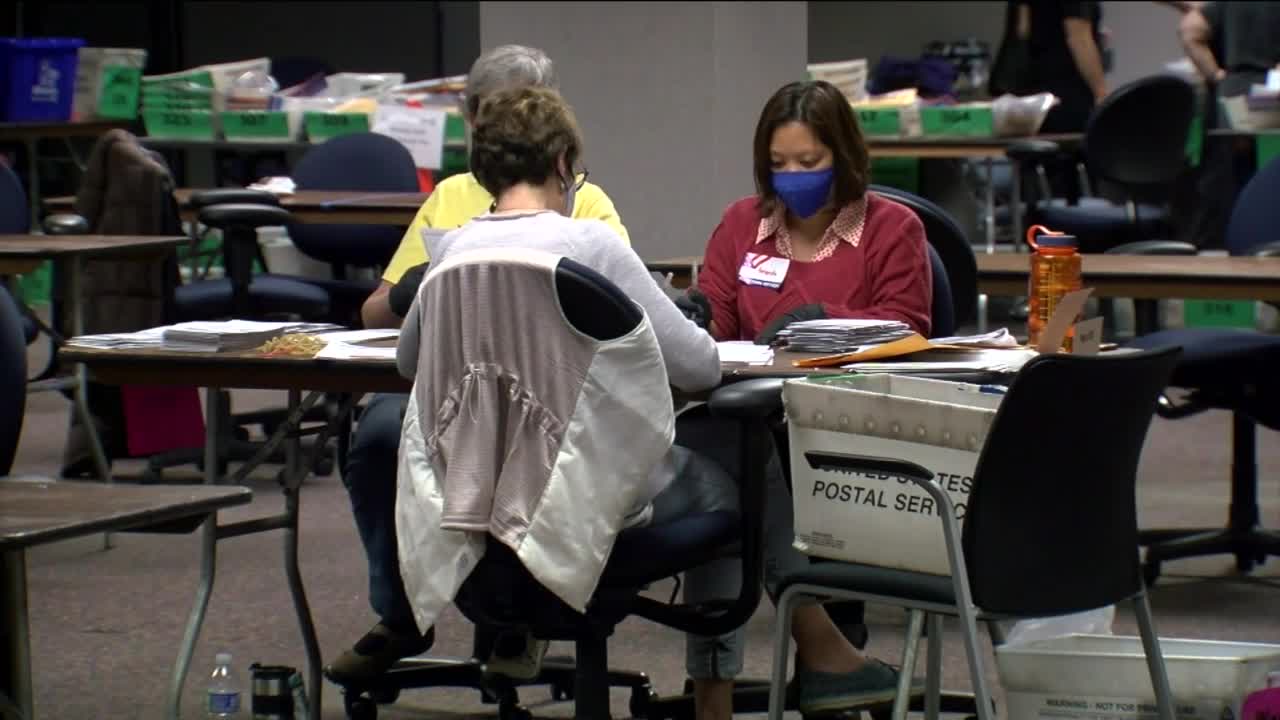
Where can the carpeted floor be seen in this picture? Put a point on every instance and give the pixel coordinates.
(106, 624)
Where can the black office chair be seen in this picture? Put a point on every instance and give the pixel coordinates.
(1135, 149)
(1235, 370)
(13, 379)
(501, 594)
(959, 284)
(1030, 547)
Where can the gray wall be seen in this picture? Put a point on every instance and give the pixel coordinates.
(667, 94)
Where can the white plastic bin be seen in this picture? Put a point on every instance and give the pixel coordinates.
(1105, 677)
(876, 519)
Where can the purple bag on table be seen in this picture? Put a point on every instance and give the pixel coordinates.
(931, 77)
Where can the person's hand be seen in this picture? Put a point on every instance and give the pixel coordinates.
(804, 312)
(696, 307)
(402, 293)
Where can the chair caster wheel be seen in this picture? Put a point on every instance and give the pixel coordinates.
(511, 711)
(560, 693)
(1150, 572)
(641, 696)
(360, 708)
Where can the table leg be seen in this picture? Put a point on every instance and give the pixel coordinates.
(1015, 204)
(294, 473)
(15, 676)
(208, 560)
(989, 213)
(72, 269)
(33, 181)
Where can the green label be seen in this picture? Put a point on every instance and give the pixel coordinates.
(176, 124)
(120, 88)
(249, 124)
(898, 172)
(1218, 313)
(880, 122)
(322, 126)
(961, 121)
(35, 287)
(1195, 137)
(1268, 147)
(454, 129)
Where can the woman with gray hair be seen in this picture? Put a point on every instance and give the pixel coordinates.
(370, 473)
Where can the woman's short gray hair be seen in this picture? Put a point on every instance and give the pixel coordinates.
(505, 67)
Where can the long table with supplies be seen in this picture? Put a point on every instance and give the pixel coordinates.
(1122, 276)
(298, 376)
(335, 207)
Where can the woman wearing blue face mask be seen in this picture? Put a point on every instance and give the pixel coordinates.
(812, 242)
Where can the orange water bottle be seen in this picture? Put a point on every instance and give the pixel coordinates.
(1055, 271)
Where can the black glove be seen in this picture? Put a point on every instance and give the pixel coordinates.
(696, 307)
(804, 312)
(403, 292)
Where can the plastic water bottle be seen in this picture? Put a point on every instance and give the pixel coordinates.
(1263, 704)
(1055, 271)
(224, 689)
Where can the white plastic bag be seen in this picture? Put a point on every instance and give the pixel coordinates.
(1089, 622)
(1021, 116)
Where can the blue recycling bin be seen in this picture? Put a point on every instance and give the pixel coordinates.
(38, 78)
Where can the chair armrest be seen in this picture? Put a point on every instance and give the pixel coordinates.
(1032, 150)
(227, 196)
(867, 464)
(66, 224)
(244, 215)
(1271, 249)
(1156, 247)
(756, 399)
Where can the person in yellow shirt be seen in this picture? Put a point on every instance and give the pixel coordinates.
(370, 474)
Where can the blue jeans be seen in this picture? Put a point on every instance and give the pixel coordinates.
(370, 478)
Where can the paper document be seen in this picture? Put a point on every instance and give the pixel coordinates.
(745, 351)
(355, 337)
(841, 335)
(275, 185)
(344, 351)
(1001, 338)
(421, 130)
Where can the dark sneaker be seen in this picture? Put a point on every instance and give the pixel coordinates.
(375, 653)
(875, 683)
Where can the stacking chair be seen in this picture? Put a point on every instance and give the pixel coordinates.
(501, 593)
(1135, 149)
(1050, 527)
(1234, 370)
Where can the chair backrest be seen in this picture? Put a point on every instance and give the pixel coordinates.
(13, 379)
(1256, 214)
(366, 162)
(592, 304)
(292, 69)
(1051, 523)
(1137, 136)
(958, 286)
(15, 216)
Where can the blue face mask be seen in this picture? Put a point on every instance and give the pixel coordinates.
(804, 192)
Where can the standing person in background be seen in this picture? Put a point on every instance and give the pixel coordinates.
(1064, 57)
(1232, 44)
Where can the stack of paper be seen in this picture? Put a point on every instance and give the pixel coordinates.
(1001, 338)
(217, 336)
(745, 351)
(152, 338)
(841, 335)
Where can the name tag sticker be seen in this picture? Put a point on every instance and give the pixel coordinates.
(763, 270)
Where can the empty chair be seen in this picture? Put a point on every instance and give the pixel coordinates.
(1234, 370)
(364, 162)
